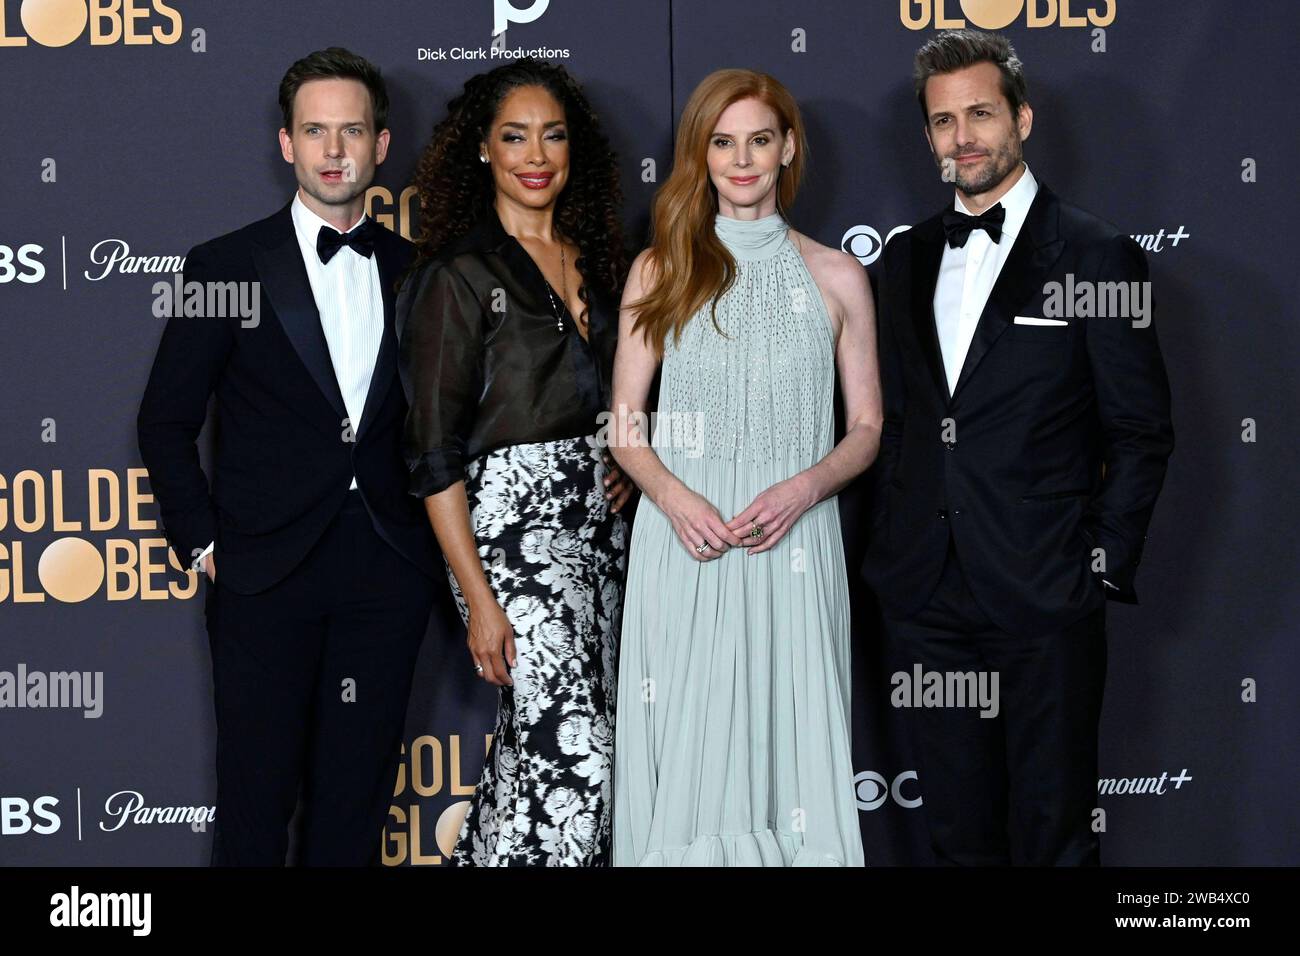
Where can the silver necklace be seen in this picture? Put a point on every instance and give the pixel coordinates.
(564, 286)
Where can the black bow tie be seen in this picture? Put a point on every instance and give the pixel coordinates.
(957, 226)
(330, 241)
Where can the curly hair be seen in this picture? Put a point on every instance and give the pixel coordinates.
(455, 188)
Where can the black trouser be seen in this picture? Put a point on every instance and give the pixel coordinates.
(1018, 788)
(311, 680)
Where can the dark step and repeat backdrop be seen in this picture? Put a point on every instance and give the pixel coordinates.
(134, 129)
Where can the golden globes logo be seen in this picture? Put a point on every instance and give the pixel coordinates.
(395, 217)
(999, 14)
(83, 560)
(108, 22)
(425, 773)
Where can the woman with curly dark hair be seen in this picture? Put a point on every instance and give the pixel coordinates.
(507, 326)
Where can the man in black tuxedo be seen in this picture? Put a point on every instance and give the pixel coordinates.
(1025, 441)
(321, 566)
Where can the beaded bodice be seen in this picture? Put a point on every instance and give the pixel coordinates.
(762, 389)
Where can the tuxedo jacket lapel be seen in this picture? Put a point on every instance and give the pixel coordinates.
(1032, 255)
(381, 378)
(927, 252)
(284, 279)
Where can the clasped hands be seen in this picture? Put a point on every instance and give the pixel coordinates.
(758, 528)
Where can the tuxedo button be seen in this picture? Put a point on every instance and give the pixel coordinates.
(950, 445)
(941, 514)
(956, 512)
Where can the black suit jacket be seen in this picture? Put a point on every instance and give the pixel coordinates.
(283, 462)
(1060, 434)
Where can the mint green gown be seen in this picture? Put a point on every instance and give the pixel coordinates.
(733, 718)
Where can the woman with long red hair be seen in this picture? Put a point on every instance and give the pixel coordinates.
(733, 735)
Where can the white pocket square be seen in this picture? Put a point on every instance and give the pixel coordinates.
(1031, 320)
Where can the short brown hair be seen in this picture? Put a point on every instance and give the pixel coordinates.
(335, 63)
(954, 50)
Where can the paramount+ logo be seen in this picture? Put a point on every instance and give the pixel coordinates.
(999, 14)
(55, 23)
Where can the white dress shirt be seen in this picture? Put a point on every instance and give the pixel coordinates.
(351, 305)
(967, 275)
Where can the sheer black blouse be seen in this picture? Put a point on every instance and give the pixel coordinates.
(482, 362)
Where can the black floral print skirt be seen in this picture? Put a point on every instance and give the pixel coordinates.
(554, 556)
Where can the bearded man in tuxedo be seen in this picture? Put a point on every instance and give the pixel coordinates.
(1023, 449)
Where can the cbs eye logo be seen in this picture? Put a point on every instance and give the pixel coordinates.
(109, 22)
(21, 264)
(872, 790)
(998, 14)
(863, 243)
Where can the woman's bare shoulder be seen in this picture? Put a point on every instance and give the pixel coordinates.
(839, 275)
